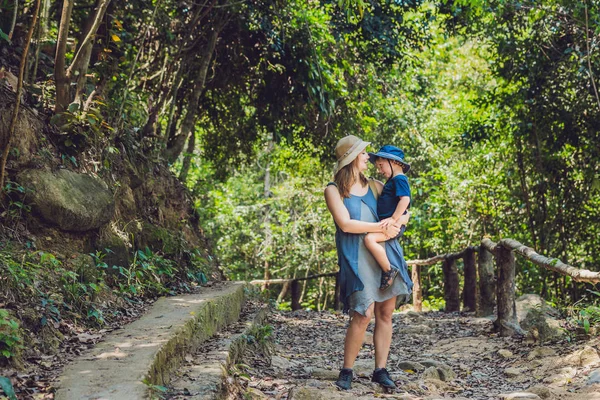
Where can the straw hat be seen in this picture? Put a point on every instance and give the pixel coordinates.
(347, 149)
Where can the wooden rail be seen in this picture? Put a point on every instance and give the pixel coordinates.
(493, 290)
(451, 287)
(296, 292)
(506, 322)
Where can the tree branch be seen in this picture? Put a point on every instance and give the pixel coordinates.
(14, 20)
(15, 115)
(589, 62)
(60, 76)
(82, 52)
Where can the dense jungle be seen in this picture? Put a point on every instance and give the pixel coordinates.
(151, 147)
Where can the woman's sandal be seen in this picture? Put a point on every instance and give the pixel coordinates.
(387, 278)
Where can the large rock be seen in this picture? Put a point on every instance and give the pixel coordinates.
(73, 201)
(115, 247)
(538, 318)
(588, 356)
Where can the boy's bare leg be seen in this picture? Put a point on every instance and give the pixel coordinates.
(372, 241)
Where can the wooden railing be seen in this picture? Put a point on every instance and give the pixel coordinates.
(493, 289)
(506, 322)
(295, 285)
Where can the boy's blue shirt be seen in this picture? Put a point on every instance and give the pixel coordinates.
(393, 189)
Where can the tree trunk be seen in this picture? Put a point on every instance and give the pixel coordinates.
(187, 160)
(268, 241)
(506, 324)
(417, 291)
(60, 73)
(82, 56)
(81, 77)
(40, 35)
(337, 302)
(487, 283)
(78, 68)
(451, 285)
(283, 293)
(189, 122)
(13, 21)
(296, 295)
(169, 132)
(15, 115)
(470, 286)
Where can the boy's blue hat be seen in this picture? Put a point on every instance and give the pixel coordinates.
(391, 153)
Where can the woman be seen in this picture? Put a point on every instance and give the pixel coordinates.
(353, 207)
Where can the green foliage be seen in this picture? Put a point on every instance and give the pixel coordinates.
(588, 317)
(17, 208)
(260, 334)
(149, 273)
(18, 276)
(4, 36)
(585, 314)
(156, 391)
(7, 387)
(10, 337)
(290, 230)
(434, 303)
(494, 103)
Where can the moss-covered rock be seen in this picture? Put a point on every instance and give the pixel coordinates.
(70, 200)
(25, 141)
(115, 247)
(159, 239)
(538, 318)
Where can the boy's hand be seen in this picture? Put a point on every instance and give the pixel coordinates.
(403, 220)
(384, 223)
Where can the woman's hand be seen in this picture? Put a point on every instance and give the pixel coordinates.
(392, 230)
(385, 222)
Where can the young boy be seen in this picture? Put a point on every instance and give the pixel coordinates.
(392, 203)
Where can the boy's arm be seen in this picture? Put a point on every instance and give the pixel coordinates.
(401, 207)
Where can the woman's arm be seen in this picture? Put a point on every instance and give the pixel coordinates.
(342, 218)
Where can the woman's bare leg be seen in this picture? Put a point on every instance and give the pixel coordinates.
(382, 337)
(355, 336)
(372, 241)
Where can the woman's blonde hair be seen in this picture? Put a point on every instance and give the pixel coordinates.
(344, 178)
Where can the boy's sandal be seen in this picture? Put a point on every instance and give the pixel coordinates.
(387, 278)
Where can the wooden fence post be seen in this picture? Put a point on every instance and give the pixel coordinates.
(283, 293)
(451, 289)
(337, 304)
(506, 324)
(487, 283)
(417, 291)
(296, 292)
(470, 286)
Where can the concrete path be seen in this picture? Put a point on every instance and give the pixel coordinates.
(151, 347)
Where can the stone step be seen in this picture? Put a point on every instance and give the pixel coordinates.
(144, 353)
(205, 373)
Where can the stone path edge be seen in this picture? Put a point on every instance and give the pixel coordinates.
(239, 344)
(215, 384)
(214, 316)
(149, 349)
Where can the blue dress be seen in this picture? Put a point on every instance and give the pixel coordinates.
(360, 274)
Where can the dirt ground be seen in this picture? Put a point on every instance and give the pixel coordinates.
(433, 356)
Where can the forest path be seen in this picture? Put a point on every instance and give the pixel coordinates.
(433, 356)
